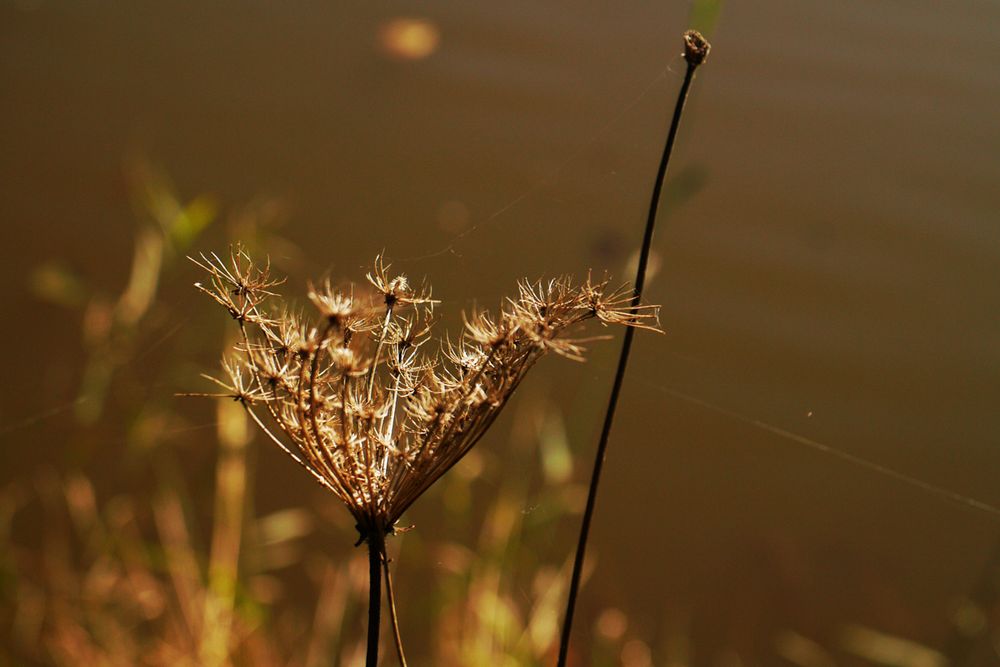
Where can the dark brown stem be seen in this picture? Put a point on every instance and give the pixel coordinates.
(696, 49)
(375, 542)
(390, 598)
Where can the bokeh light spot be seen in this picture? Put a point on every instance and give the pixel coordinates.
(408, 38)
(612, 624)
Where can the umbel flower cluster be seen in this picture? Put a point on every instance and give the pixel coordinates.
(359, 398)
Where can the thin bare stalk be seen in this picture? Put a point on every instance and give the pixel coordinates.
(378, 350)
(695, 51)
(392, 611)
(375, 547)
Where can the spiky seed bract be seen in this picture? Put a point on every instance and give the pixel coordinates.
(354, 395)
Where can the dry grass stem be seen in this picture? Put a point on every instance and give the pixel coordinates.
(696, 49)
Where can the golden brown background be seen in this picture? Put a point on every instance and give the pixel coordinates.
(827, 265)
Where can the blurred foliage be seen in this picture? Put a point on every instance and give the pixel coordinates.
(112, 323)
(93, 572)
(169, 568)
(57, 283)
(705, 16)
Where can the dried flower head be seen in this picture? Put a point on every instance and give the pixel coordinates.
(355, 397)
(696, 48)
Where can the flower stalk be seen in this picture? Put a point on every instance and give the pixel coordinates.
(375, 549)
(696, 50)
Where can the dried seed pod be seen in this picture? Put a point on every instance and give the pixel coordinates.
(354, 397)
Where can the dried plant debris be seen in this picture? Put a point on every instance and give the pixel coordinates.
(359, 398)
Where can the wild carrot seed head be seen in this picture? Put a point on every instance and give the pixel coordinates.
(354, 395)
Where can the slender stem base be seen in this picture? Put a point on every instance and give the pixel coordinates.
(374, 596)
(394, 621)
(640, 279)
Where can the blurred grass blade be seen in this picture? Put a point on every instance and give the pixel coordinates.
(557, 460)
(56, 283)
(147, 258)
(885, 649)
(705, 16)
(188, 224)
(224, 556)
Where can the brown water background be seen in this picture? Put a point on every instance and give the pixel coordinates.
(831, 268)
